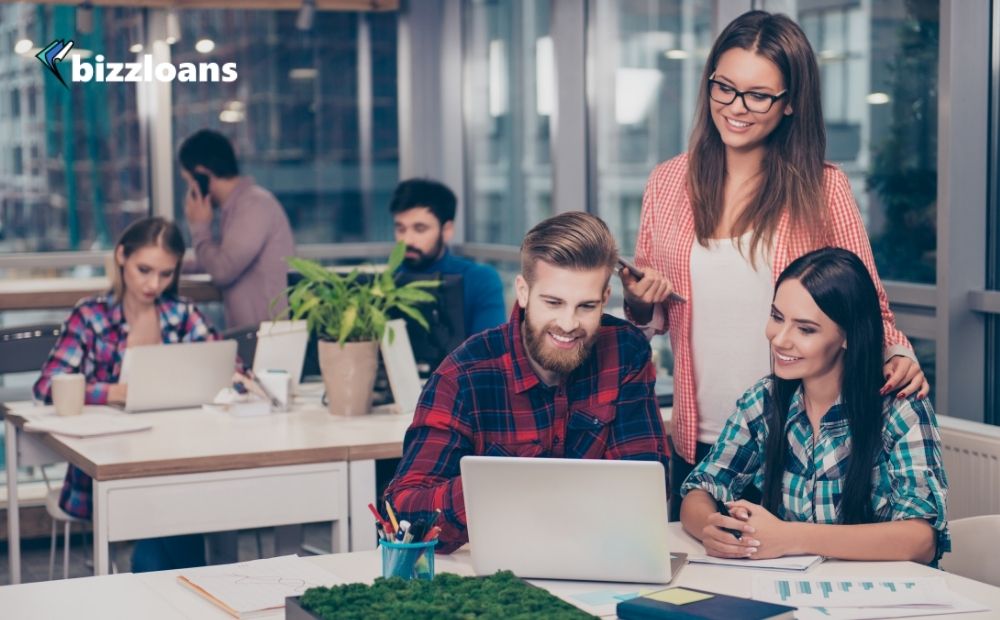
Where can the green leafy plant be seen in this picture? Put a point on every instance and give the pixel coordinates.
(350, 308)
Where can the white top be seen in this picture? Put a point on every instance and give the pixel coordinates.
(731, 305)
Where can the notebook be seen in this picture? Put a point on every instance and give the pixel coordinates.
(786, 563)
(257, 588)
(691, 604)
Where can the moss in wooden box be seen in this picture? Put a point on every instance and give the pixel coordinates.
(446, 597)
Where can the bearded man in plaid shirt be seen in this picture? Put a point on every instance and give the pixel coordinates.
(560, 379)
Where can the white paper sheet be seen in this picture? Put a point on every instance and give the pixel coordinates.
(792, 562)
(94, 421)
(834, 592)
(247, 589)
(960, 605)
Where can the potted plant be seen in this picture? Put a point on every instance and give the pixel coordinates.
(349, 314)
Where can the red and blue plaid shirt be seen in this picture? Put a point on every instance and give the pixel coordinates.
(485, 399)
(93, 342)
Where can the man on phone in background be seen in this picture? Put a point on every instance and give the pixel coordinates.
(246, 260)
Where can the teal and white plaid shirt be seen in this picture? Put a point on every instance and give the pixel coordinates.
(908, 480)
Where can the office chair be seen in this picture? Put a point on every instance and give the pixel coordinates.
(57, 514)
(975, 548)
(23, 349)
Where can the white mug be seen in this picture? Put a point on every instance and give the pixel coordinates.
(68, 393)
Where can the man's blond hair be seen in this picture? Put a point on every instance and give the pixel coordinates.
(573, 240)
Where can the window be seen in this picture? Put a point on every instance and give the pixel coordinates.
(878, 69)
(651, 55)
(83, 184)
(304, 122)
(510, 98)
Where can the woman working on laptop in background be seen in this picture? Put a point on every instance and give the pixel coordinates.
(843, 471)
(143, 308)
(720, 222)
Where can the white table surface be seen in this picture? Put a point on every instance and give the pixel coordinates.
(190, 446)
(160, 595)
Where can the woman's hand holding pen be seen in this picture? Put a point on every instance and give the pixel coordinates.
(772, 535)
(719, 538)
(642, 293)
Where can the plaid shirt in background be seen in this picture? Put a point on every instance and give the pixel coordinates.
(93, 342)
(485, 399)
(908, 480)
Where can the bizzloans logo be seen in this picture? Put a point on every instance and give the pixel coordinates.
(144, 71)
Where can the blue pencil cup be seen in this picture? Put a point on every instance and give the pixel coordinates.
(414, 560)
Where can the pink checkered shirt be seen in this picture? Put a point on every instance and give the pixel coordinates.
(666, 233)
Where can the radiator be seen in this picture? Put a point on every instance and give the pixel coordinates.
(971, 452)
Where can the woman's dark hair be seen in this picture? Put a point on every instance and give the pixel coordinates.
(843, 289)
(791, 177)
(150, 231)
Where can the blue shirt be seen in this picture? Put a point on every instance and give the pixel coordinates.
(482, 296)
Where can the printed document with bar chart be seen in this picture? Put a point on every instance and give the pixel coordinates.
(854, 599)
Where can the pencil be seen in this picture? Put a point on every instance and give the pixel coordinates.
(392, 517)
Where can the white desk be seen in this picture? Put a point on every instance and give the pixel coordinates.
(204, 472)
(157, 595)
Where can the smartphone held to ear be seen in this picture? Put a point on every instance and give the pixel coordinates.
(639, 275)
(203, 181)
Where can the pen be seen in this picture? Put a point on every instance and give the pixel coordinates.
(416, 531)
(378, 517)
(432, 534)
(725, 512)
(274, 401)
(437, 514)
(392, 517)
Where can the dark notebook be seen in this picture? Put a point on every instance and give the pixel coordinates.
(691, 604)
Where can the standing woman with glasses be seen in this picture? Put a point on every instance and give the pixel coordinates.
(720, 222)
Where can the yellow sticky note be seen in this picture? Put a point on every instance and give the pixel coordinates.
(678, 596)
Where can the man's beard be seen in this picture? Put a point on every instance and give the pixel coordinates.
(423, 261)
(562, 361)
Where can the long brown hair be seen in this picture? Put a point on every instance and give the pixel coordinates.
(149, 231)
(792, 170)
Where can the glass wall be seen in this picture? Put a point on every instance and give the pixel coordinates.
(313, 115)
(510, 95)
(650, 54)
(879, 74)
(73, 164)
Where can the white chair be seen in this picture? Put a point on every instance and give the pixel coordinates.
(975, 549)
(57, 514)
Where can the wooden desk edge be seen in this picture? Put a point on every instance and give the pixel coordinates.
(196, 290)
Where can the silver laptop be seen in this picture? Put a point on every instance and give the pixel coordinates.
(576, 519)
(177, 376)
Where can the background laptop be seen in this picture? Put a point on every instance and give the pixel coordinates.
(176, 376)
(573, 519)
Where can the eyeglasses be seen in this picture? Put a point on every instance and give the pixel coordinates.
(752, 100)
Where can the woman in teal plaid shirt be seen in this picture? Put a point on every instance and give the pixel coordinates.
(815, 460)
